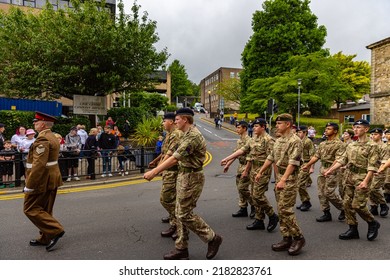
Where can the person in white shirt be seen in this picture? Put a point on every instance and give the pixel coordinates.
(83, 137)
(24, 147)
(18, 137)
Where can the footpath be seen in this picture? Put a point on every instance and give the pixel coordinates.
(106, 180)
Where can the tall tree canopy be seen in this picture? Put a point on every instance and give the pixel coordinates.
(180, 85)
(325, 80)
(283, 28)
(84, 50)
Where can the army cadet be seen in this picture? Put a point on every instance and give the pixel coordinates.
(242, 183)
(384, 166)
(43, 177)
(287, 154)
(169, 176)
(304, 175)
(257, 150)
(190, 156)
(361, 158)
(378, 181)
(327, 152)
(386, 186)
(347, 139)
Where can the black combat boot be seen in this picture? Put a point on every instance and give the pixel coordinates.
(351, 233)
(341, 216)
(273, 222)
(384, 210)
(306, 205)
(257, 224)
(242, 212)
(374, 210)
(325, 218)
(253, 212)
(373, 230)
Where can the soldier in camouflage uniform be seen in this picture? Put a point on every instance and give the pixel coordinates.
(190, 156)
(304, 176)
(347, 139)
(361, 158)
(242, 182)
(376, 195)
(287, 155)
(327, 152)
(169, 176)
(256, 151)
(386, 187)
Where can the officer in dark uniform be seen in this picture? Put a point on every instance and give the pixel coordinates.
(42, 180)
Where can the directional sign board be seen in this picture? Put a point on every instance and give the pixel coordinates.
(89, 105)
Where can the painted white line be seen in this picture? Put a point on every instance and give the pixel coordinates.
(208, 131)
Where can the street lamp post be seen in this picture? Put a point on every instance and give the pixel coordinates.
(209, 92)
(299, 99)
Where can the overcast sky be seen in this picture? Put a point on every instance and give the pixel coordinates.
(207, 34)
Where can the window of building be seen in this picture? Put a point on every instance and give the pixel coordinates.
(232, 75)
(366, 117)
(29, 4)
(5, 1)
(349, 119)
(17, 2)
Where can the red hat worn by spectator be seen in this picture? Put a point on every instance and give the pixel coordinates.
(39, 116)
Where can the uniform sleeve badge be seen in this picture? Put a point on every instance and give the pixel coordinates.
(40, 149)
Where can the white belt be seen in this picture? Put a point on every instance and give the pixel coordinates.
(50, 163)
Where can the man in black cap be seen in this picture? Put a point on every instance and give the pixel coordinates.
(304, 175)
(42, 180)
(256, 151)
(361, 158)
(378, 181)
(190, 156)
(242, 182)
(328, 151)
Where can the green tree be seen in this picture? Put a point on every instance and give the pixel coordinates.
(230, 90)
(180, 85)
(83, 50)
(283, 28)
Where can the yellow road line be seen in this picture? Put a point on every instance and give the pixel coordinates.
(100, 186)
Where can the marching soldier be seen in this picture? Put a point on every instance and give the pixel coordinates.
(386, 187)
(169, 176)
(190, 156)
(242, 182)
(361, 158)
(327, 152)
(347, 139)
(304, 175)
(257, 150)
(378, 181)
(42, 180)
(287, 155)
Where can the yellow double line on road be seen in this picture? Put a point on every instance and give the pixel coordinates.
(133, 181)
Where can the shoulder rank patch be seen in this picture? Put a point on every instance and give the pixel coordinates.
(40, 149)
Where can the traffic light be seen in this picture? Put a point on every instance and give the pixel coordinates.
(270, 106)
(275, 108)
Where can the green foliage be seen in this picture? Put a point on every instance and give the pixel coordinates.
(180, 85)
(63, 125)
(171, 108)
(283, 28)
(82, 51)
(147, 132)
(133, 114)
(149, 102)
(230, 90)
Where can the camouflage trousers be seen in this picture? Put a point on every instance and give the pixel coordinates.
(355, 200)
(260, 201)
(244, 193)
(341, 180)
(286, 199)
(168, 194)
(189, 189)
(386, 186)
(327, 191)
(303, 182)
(376, 195)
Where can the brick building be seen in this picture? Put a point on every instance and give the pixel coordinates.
(213, 102)
(380, 82)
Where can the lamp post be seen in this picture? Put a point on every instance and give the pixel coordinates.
(299, 99)
(209, 92)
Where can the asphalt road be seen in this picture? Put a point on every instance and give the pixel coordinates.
(123, 222)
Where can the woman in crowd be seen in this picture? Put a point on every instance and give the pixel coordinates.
(90, 150)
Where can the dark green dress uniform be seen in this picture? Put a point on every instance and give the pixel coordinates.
(43, 177)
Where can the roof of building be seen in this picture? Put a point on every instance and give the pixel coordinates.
(365, 106)
(379, 43)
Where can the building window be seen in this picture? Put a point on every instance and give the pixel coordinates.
(17, 2)
(5, 1)
(366, 117)
(349, 119)
(29, 4)
(232, 75)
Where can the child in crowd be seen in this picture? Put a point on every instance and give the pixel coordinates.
(7, 156)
